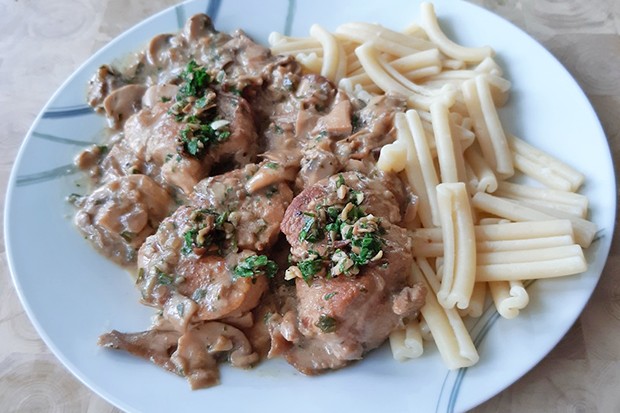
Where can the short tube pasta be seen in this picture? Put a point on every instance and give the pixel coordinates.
(451, 165)
(509, 297)
(544, 167)
(584, 230)
(334, 58)
(486, 181)
(431, 26)
(459, 241)
(503, 157)
(407, 343)
(449, 333)
(557, 267)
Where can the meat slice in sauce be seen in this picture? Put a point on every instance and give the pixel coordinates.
(192, 354)
(195, 251)
(256, 197)
(117, 217)
(207, 265)
(182, 261)
(151, 144)
(344, 309)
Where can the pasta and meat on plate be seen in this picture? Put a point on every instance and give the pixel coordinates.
(314, 199)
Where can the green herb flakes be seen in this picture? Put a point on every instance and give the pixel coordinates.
(310, 231)
(256, 265)
(326, 324)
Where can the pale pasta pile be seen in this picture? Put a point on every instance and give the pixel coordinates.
(473, 233)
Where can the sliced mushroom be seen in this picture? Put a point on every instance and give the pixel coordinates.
(193, 354)
(198, 349)
(158, 48)
(269, 173)
(122, 103)
(198, 26)
(103, 82)
(159, 93)
(153, 345)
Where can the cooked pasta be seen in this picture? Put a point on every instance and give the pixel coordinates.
(497, 231)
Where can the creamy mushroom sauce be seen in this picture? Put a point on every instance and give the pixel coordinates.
(244, 195)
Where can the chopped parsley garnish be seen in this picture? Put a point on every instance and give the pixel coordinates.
(196, 79)
(271, 191)
(256, 265)
(103, 149)
(272, 165)
(353, 237)
(199, 294)
(195, 106)
(329, 296)
(181, 309)
(310, 267)
(196, 138)
(311, 231)
(369, 246)
(128, 235)
(204, 234)
(340, 181)
(190, 239)
(163, 278)
(356, 122)
(326, 324)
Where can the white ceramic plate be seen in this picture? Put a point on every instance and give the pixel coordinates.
(72, 294)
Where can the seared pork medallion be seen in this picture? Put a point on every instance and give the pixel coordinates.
(244, 195)
(118, 216)
(351, 264)
(206, 262)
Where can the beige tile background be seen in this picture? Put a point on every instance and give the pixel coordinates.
(43, 42)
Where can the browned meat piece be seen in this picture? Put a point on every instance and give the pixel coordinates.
(151, 144)
(377, 199)
(119, 216)
(256, 203)
(218, 293)
(192, 354)
(241, 147)
(182, 264)
(195, 251)
(351, 273)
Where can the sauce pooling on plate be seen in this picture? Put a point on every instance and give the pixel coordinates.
(245, 196)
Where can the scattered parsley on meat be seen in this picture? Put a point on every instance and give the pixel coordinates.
(256, 265)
